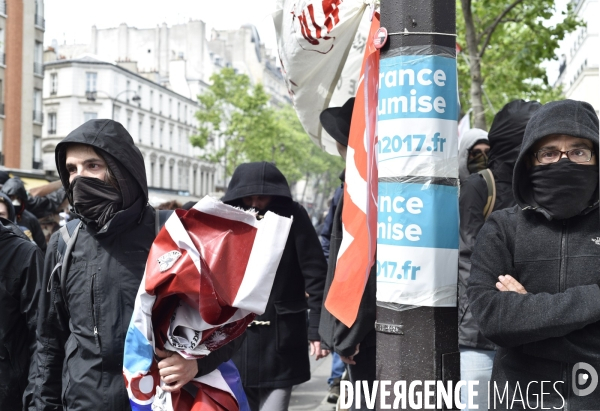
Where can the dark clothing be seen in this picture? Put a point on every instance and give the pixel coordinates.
(505, 138)
(15, 187)
(48, 205)
(80, 342)
(334, 334)
(20, 277)
(28, 220)
(325, 233)
(543, 333)
(363, 370)
(274, 354)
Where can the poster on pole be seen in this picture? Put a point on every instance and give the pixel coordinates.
(417, 222)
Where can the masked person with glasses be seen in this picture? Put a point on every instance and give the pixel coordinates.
(534, 285)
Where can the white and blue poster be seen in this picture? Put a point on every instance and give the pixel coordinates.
(417, 224)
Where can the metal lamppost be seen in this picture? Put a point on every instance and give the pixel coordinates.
(273, 147)
(91, 96)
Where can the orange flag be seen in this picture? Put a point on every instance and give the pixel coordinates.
(359, 215)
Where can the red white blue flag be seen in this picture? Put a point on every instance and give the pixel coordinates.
(209, 273)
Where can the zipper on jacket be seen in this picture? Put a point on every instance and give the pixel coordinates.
(562, 275)
(94, 311)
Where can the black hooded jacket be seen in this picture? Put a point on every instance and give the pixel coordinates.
(80, 342)
(11, 209)
(505, 138)
(15, 187)
(20, 273)
(542, 334)
(274, 354)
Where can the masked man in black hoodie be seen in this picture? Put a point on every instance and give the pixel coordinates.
(274, 355)
(534, 285)
(81, 329)
(20, 273)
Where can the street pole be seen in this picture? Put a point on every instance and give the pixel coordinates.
(417, 318)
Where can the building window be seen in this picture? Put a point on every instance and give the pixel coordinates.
(89, 115)
(139, 94)
(160, 137)
(37, 105)
(151, 99)
(38, 57)
(37, 153)
(178, 111)
(171, 177)
(160, 104)
(90, 81)
(51, 123)
(53, 83)
(171, 138)
(162, 175)
(152, 134)
(151, 176)
(140, 130)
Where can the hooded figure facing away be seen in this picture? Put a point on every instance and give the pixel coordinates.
(20, 276)
(80, 341)
(505, 138)
(534, 284)
(274, 354)
(473, 152)
(15, 189)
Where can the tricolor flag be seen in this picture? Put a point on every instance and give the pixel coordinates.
(209, 273)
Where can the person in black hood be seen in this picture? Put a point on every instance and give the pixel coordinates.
(274, 355)
(534, 285)
(7, 210)
(15, 189)
(3, 177)
(80, 341)
(505, 138)
(20, 273)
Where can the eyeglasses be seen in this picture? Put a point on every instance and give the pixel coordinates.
(577, 155)
(478, 152)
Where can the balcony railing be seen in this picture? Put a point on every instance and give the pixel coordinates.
(37, 116)
(3, 7)
(51, 131)
(38, 68)
(3, 59)
(2, 109)
(37, 164)
(39, 21)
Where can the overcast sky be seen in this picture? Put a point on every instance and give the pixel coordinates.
(71, 20)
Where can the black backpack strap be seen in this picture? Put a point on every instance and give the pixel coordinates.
(66, 242)
(491, 192)
(161, 217)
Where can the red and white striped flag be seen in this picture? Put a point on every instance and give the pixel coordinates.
(359, 215)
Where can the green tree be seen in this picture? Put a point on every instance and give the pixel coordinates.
(252, 129)
(505, 43)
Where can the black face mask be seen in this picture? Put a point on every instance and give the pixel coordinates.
(564, 188)
(477, 163)
(94, 199)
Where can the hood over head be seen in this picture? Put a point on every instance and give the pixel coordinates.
(15, 187)
(570, 117)
(467, 141)
(506, 136)
(261, 178)
(112, 141)
(11, 209)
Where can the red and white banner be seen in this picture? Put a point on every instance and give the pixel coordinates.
(359, 215)
(209, 272)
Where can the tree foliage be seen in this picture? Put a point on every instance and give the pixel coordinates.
(505, 43)
(240, 114)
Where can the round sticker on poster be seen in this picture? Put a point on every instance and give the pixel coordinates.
(380, 37)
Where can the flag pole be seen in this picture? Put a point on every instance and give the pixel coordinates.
(417, 248)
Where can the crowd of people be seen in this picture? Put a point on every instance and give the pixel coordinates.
(74, 254)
